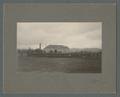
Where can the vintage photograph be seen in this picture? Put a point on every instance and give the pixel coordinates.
(67, 47)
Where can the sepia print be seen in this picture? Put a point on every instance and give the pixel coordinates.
(59, 48)
(68, 47)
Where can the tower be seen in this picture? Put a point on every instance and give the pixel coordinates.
(40, 46)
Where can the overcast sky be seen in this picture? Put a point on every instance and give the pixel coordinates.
(71, 34)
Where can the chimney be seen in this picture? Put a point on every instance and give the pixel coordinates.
(40, 46)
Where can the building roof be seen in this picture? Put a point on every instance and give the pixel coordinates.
(56, 47)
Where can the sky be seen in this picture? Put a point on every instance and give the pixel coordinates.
(71, 34)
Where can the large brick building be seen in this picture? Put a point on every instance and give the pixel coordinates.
(56, 48)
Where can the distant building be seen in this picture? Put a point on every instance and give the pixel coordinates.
(56, 49)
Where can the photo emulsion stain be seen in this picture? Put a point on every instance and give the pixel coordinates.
(67, 47)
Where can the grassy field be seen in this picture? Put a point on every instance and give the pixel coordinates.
(66, 65)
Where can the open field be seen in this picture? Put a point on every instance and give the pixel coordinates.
(66, 65)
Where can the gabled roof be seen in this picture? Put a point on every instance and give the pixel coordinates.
(56, 47)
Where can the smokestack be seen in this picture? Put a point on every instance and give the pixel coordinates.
(40, 46)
